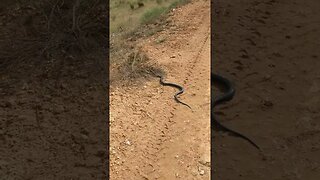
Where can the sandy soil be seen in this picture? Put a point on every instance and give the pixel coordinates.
(152, 136)
(270, 50)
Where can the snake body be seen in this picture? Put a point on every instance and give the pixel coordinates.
(181, 90)
(227, 96)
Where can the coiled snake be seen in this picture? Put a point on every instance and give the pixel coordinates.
(230, 92)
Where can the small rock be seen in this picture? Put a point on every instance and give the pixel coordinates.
(173, 56)
(194, 172)
(205, 162)
(177, 175)
(201, 171)
(127, 142)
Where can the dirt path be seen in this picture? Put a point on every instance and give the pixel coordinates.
(270, 50)
(152, 136)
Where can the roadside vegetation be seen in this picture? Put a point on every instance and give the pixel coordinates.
(126, 15)
(129, 21)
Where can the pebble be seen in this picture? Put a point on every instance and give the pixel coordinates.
(201, 171)
(127, 142)
(177, 175)
(205, 162)
(194, 172)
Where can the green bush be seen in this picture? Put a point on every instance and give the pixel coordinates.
(178, 3)
(159, 1)
(153, 14)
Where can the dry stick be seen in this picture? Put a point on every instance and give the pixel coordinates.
(133, 61)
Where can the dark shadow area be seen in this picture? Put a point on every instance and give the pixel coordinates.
(53, 89)
(269, 49)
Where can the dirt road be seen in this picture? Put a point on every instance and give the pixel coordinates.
(152, 136)
(270, 50)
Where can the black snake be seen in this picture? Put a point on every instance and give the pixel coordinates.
(230, 92)
(181, 90)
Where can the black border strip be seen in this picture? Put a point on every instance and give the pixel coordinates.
(211, 90)
(107, 89)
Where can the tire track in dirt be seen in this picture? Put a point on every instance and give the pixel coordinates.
(195, 125)
(153, 137)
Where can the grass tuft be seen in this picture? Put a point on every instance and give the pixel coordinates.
(178, 3)
(151, 15)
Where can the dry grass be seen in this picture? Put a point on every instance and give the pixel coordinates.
(128, 23)
(135, 68)
(126, 15)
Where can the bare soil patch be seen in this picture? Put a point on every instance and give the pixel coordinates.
(152, 136)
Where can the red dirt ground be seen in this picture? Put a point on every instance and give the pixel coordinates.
(152, 136)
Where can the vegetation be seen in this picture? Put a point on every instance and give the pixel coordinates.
(127, 15)
(150, 15)
(130, 19)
